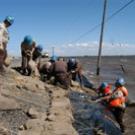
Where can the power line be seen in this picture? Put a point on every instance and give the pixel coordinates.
(109, 18)
(119, 10)
(86, 33)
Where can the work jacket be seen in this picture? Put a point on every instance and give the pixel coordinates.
(4, 36)
(25, 48)
(104, 92)
(59, 67)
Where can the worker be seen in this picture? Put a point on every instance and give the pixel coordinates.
(104, 89)
(37, 54)
(4, 38)
(117, 101)
(53, 59)
(59, 71)
(45, 55)
(75, 69)
(27, 48)
(44, 67)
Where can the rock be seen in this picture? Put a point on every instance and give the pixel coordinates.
(22, 127)
(18, 86)
(51, 117)
(75, 84)
(33, 113)
(7, 61)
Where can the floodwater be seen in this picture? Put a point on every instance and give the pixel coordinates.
(94, 118)
(111, 68)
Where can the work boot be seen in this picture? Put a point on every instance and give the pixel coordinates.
(122, 129)
(24, 72)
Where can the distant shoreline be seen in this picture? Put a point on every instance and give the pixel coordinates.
(86, 56)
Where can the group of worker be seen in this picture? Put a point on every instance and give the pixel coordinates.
(30, 53)
(32, 62)
(115, 99)
(63, 71)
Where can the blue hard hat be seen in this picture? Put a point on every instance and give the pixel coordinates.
(9, 19)
(54, 58)
(40, 48)
(103, 85)
(28, 40)
(72, 60)
(119, 82)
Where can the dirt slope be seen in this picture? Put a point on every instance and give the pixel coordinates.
(30, 107)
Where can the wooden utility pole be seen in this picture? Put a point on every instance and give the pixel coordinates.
(101, 38)
(53, 51)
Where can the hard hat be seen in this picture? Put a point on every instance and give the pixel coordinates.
(61, 59)
(9, 19)
(104, 85)
(40, 48)
(72, 60)
(46, 55)
(28, 40)
(54, 58)
(119, 82)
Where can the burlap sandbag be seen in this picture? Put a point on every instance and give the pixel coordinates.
(7, 61)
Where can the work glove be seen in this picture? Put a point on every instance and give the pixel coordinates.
(73, 71)
(98, 100)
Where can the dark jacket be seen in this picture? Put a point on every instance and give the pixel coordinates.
(59, 67)
(36, 54)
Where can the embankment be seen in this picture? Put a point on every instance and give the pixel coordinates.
(30, 107)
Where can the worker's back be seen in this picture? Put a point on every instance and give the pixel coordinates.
(60, 67)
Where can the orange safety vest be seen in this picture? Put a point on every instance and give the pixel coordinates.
(119, 101)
